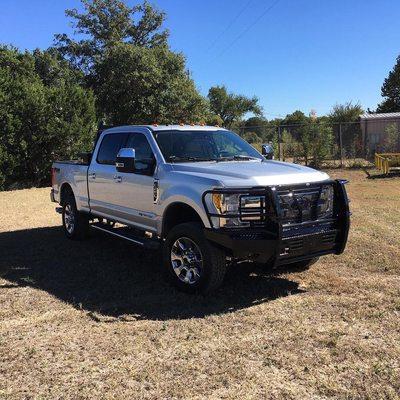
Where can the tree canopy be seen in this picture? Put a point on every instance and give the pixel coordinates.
(295, 118)
(126, 61)
(105, 23)
(231, 107)
(347, 112)
(391, 90)
(138, 85)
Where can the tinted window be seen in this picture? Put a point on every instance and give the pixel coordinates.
(144, 158)
(109, 148)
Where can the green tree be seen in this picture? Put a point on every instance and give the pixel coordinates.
(252, 137)
(54, 70)
(124, 54)
(231, 107)
(391, 91)
(213, 119)
(145, 85)
(294, 124)
(315, 142)
(291, 147)
(347, 112)
(295, 118)
(392, 138)
(106, 23)
(344, 119)
(39, 120)
(261, 126)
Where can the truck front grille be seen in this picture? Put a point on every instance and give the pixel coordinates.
(305, 204)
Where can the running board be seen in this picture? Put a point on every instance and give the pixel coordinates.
(125, 233)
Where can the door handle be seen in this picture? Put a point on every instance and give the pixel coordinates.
(92, 175)
(117, 178)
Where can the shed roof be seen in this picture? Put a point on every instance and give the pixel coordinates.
(394, 115)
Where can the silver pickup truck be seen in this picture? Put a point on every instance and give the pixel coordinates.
(205, 197)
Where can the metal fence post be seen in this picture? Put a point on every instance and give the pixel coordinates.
(341, 145)
(280, 143)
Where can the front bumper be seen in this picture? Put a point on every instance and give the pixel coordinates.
(281, 243)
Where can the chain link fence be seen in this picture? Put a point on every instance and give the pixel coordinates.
(327, 144)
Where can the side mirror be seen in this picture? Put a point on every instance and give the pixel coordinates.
(267, 151)
(125, 160)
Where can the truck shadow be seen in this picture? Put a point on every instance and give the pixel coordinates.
(111, 279)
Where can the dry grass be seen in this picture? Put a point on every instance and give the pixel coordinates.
(96, 320)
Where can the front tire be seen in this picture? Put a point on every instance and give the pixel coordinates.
(75, 223)
(193, 264)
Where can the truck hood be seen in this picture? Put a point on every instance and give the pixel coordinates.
(251, 173)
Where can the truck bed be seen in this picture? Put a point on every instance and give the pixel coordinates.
(73, 173)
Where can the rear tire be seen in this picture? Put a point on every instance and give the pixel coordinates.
(75, 223)
(192, 263)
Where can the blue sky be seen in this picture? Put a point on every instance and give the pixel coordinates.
(301, 54)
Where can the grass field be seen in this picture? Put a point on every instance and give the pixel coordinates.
(95, 319)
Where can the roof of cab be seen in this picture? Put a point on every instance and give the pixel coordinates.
(155, 128)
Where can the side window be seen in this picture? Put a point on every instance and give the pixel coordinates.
(144, 157)
(164, 140)
(109, 148)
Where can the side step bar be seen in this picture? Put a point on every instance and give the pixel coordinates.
(126, 233)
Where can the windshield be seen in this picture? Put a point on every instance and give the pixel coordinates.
(181, 146)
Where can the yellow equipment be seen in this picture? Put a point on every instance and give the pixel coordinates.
(387, 161)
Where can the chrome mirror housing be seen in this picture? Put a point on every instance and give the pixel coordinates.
(125, 161)
(267, 151)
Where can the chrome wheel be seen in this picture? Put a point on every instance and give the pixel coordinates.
(187, 260)
(69, 218)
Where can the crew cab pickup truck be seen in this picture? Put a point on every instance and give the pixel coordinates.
(205, 197)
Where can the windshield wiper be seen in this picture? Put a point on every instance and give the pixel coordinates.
(237, 157)
(183, 159)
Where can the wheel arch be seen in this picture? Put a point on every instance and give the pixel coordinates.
(178, 213)
(65, 190)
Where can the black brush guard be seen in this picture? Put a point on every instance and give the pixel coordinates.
(272, 239)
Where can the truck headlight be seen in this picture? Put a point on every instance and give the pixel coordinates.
(226, 203)
(235, 209)
(325, 203)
